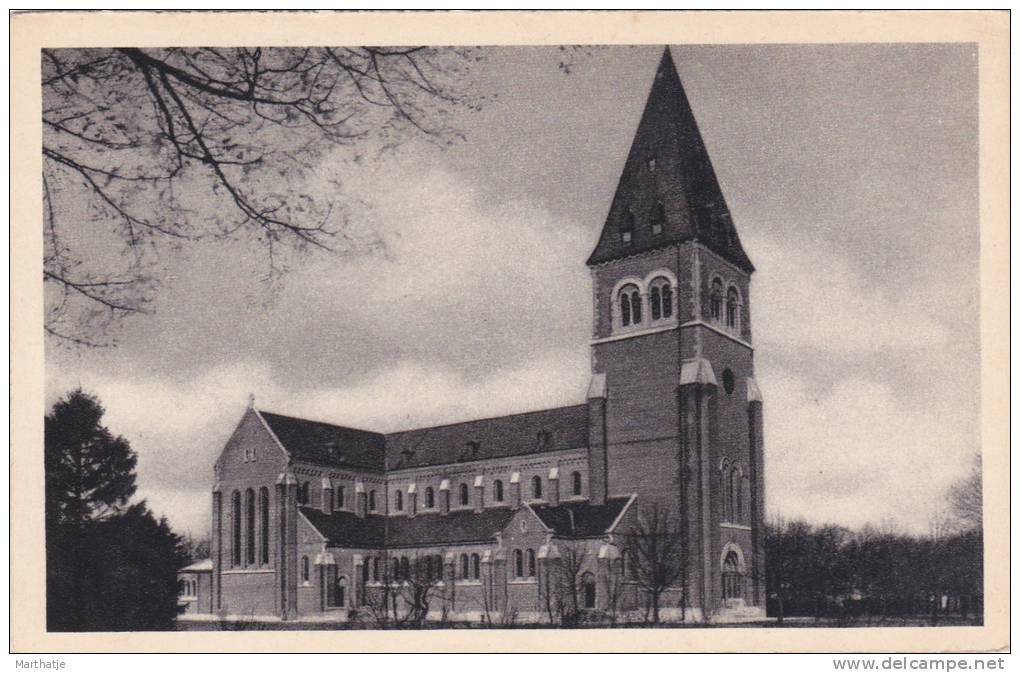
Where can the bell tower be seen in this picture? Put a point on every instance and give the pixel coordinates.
(673, 357)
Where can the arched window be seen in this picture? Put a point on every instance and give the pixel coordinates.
(399, 500)
(588, 582)
(476, 567)
(715, 300)
(518, 563)
(395, 571)
(732, 308)
(464, 498)
(738, 499)
(264, 524)
(430, 498)
(625, 564)
(658, 219)
(465, 567)
(371, 501)
(364, 570)
(235, 522)
(660, 296)
(329, 585)
(531, 563)
(731, 580)
(405, 567)
(575, 479)
(305, 570)
(536, 487)
(341, 592)
(249, 527)
(629, 299)
(727, 494)
(375, 569)
(497, 488)
(627, 227)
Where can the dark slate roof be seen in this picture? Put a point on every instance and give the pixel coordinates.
(683, 182)
(456, 527)
(533, 432)
(345, 529)
(581, 519)
(327, 444)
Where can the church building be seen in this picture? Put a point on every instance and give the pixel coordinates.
(548, 515)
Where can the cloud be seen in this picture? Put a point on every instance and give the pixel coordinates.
(808, 296)
(451, 321)
(864, 304)
(860, 453)
(178, 430)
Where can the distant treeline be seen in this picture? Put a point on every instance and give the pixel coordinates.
(832, 572)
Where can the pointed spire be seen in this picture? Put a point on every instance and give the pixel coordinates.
(668, 192)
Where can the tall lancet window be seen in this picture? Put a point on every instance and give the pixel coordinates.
(715, 300)
(249, 526)
(235, 524)
(264, 525)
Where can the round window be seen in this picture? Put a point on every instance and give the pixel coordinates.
(728, 381)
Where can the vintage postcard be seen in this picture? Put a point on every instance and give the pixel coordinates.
(391, 331)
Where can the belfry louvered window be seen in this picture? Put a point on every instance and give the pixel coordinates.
(732, 308)
(629, 300)
(715, 300)
(660, 296)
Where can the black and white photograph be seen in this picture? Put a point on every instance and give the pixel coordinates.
(667, 335)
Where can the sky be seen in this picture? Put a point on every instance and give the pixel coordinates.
(851, 175)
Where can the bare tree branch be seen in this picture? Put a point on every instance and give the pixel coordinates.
(147, 147)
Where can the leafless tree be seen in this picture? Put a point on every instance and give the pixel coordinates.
(965, 498)
(144, 148)
(406, 590)
(655, 550)
(420, 587)
(613, 587)
(550, 596)
(567, 578)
